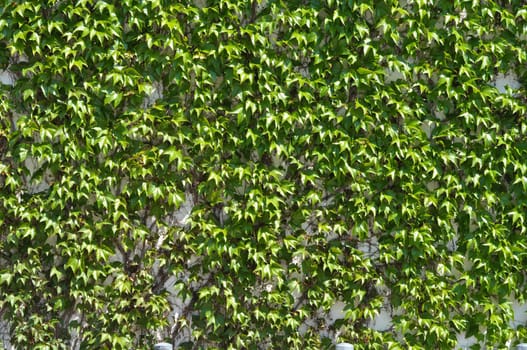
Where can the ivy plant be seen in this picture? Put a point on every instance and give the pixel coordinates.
(228, 174)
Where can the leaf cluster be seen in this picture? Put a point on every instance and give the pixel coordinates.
(227, 174)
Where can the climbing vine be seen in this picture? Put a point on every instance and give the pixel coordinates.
(262, 174)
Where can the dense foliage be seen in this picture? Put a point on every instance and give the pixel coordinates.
(328, 152)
